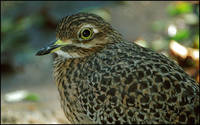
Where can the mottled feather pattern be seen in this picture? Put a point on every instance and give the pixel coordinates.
(126, 83)
(103, 78)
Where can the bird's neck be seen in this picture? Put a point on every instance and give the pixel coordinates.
(62, 65)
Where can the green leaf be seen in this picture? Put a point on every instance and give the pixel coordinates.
(179, 8)
(181, 35)
(32, 97)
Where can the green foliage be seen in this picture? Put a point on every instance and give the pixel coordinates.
(6, 25)
(196, 41)
(14, 31)
(181, 35)
(179, 8)
(32, 97)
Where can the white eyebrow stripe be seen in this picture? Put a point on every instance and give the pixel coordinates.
(95, 30)
(89, 25)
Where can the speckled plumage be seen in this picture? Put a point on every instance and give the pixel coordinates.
(119, 81)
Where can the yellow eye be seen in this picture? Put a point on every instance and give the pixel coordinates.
(86, 33)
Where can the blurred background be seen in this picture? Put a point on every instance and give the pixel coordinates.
(28, 92)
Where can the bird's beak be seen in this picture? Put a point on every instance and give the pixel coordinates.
(54, 46)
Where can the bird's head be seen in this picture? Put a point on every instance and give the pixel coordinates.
(80, 35)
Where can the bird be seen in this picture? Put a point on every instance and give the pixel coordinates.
(105, 79)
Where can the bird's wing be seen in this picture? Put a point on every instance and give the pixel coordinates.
(141, 90)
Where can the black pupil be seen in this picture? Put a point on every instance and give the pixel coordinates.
(86, 33)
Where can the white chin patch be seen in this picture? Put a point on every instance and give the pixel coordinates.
(67, 55)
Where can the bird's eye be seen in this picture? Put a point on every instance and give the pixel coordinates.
(86, 33)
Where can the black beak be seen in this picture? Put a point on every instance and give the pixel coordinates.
(48, 49)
